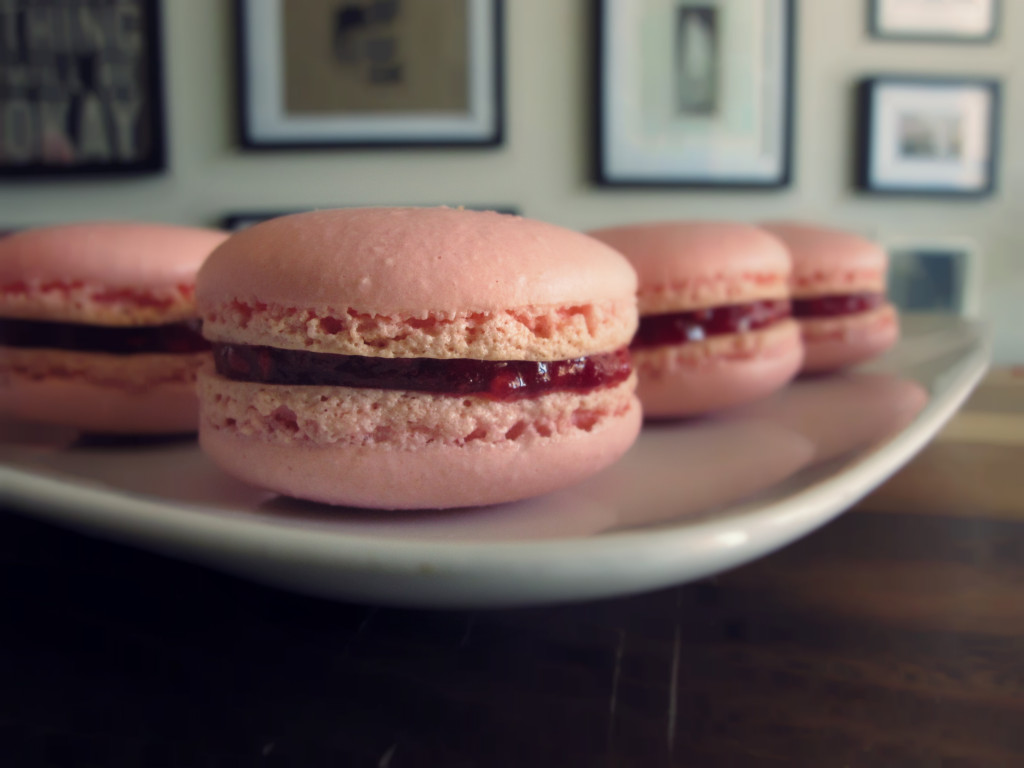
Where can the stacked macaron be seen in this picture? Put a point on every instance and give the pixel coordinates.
(715, 327)
(411, 357)
(98, 327)
(838, 290)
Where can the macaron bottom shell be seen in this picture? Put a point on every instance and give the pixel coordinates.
(833, 343)
(396, 449)
(113, 394)
(700, 377)
(434, 476)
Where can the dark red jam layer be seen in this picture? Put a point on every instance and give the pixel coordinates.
(118, 340)
(499, 380)
(831, 306)
(680, 327)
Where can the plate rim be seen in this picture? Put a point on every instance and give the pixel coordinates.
(742, 532)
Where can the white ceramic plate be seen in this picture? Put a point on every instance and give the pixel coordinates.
(687, 501)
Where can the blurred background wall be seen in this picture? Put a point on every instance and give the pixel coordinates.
(543, 168)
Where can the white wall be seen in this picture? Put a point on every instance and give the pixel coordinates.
(543, 168)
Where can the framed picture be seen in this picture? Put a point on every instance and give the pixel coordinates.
(236, 221)
(928, 135)
(938, 276)
(934, 20)
(694, 93)
(80, 91)
(335, 73)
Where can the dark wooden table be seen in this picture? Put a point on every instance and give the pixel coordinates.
(892, 637)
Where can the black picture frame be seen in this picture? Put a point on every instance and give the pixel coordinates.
(264, 124)
(932, 33)
(934, 275)
(707, 167)
(911, 142)
(95, 111)
(238, 220)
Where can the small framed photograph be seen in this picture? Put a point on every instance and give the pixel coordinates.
(934, 20)
(694, 93)
(928, 136)
(81, 89)
(935, 276)
(330, 73)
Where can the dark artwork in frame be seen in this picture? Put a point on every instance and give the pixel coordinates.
(80, 88)
(934, 277)
(697, 60)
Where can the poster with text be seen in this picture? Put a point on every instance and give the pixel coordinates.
(80, 87)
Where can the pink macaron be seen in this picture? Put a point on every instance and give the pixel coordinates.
(838, 292)
(715, 327)
(416, 357)
(98, 327)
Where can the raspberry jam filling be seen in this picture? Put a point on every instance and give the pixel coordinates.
(117, 340)
(496, 379)
(696, 325)
(841, 304)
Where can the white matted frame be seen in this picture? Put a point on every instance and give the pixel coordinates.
(928, 136)
(935, 275)
(265, 121)
(694, 92)
(968, 21)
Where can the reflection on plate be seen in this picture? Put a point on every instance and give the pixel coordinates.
(689, 499)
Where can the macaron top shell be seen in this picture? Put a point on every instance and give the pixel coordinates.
(107, 273)
(829, 261)
(410, 260)
(403, 282)
(684, 265)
